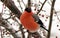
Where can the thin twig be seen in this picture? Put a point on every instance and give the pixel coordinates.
(20, 28)
(10, 30)
(41, 7)
(55, 11)
(5, 24)
(23, 3)
(20, 5)
(57, 16)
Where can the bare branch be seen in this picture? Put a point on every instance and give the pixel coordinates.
(41, 7)
(21, 29)
(57, 16)
(5, 24)
(51, 16)
(29, 3)
(10, 4)
(20, 5)
(55, 12)
(23, 3)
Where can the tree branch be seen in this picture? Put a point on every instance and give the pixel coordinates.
(55, 12)
(51, 16)
(41, 7)
(10, 4)
(4, 24)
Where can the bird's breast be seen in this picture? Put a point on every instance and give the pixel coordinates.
(29, 23)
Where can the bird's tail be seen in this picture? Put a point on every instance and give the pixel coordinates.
(42, 25)
(44, 28)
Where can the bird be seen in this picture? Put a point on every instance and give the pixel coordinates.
(31, 21)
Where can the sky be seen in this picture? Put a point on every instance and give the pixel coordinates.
(54, 30)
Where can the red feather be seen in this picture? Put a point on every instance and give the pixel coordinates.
(28, 21)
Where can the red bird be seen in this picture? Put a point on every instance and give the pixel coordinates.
(31, 21)
(28, 21)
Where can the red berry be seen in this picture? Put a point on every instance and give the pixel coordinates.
(46, 17)
(39, 14)
(42, 15)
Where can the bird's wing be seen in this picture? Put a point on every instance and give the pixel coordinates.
(35, 17)
(39, 21)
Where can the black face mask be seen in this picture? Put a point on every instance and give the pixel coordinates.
(28, 10)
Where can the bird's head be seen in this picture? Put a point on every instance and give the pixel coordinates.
(28, 9)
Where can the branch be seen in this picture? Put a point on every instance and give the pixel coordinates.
(57, 16)
(29, 3)
(21, 29)
(41, 7)
(4, 24)
(23, 3)
(55, 12)
(20, 5)
(51, 16)
(10, 4)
